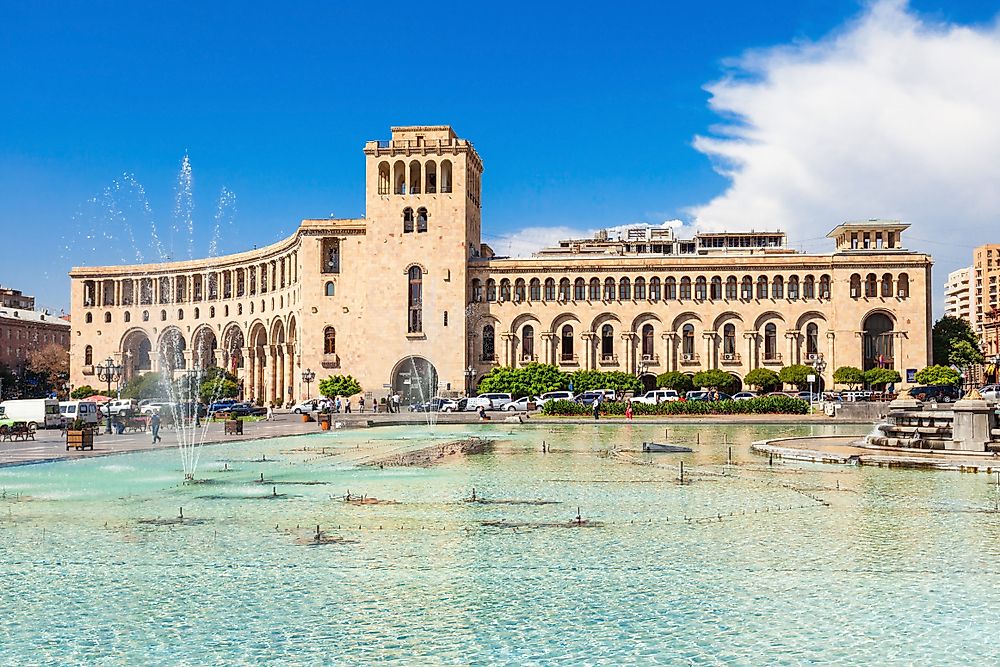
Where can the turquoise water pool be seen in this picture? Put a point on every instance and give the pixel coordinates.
(744, 564)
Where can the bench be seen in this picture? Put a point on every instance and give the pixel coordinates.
(17, 431)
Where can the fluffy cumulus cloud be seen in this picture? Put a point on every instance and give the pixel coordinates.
(891, 116)
(524, 242)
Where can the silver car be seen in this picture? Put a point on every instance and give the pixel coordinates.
(991, 392)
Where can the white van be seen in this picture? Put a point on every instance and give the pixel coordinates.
(42, 412)
(85, 411)
(498, 399)
(473, 403)
(654, 396)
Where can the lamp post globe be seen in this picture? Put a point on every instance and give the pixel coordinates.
(308, 376)
(109, 372)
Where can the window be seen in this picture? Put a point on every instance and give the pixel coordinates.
(685, 291)
(778, 288)
(609, 289)
(687, 340)
(607, 341)
(535, 290)
(762, 287)
(647, 341)
(566, 343)
(550, 289)
(855, 286)
(654, 289)
(670, 289)
(421, 220)
(445, 176)
(89, 318)
(731, 288)
(770, 341)
(729, 339)
(700, 288)
(145, 316)
(163, 315)
(331, 261)
(477, 290)
(329, 289)
(624, 289)
(489, 349)
(329, 341)
(107, 318)
(812, 340)
(407, 220)
(871, 286)
(528, 342)
(565, 293)
(746, 288)
(715, 292)
(446, 318)
(180, 313)
(504, 290)
(383, 178)
(211, 312)
(88, 356)
(640, 289)
(809, 287)
(903, 286)
(491, 290)
(886, 285)
(579, 290)
(415, 300)
(824, 287)
(793, 288)
(594, 293)
(127, 316)
(519, 292)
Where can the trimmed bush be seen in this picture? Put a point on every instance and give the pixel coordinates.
(761, 405)
(675, 380)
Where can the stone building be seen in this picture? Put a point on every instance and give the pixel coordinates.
(985, 291)
(13, 298)
(409, 298)
(957, 301)
(22, 331)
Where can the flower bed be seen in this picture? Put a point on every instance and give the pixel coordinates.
(761, 405)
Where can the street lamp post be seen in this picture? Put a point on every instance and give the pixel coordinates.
(108, 371)
(470, 377)
(308, 375)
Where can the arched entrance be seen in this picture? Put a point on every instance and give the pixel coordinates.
(415, 380)
(136, 354)
(648, 381)
(877, 342)
(736, 385)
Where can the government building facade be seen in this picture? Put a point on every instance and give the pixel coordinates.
(409, 299)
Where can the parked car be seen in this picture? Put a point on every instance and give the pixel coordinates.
(939, 393)
(708, 396)
(155, 407)
(436, 404)
(991, 392)
(120, 407)
(555, 396)
(654, 396)
(85, 411)
(522, 404)
(473, 403)
(589, 397)
(498, 399)
(222, 405)
(856, 395)
(744, 395)
(239, 410)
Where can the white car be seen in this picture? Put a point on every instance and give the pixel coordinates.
(654, 396)
(521, 404)
(744, 395)
(155, 407)
(991, 392)
(498, 399)
(555, 396)
(306, 406)
(473, 403)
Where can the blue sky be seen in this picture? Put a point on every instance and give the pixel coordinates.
(585, 114)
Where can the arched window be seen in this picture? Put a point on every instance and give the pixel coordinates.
(407, 220)
(504, 290)
(824, 287)
(477, 290)
(489, 348)
(88, 356)
(145, 316)
(579, 290)
(565, 290)
(163, 315)
(640, 289)
(809, 287)
(886, 285)
(647, 342)
(421, 220)
(491, 290)
(654, 289)
(770, 342)
(594, 294)
(812, 340)
(329, 340)
(732, 292)
(414, 300)
(762, 287)
(329, 288)
(855, 286)
(89, 318)
(877, 345)
(670, 288)
(903, 286)
(715, 294)
(687, 341)
(528, 342)
(624, 290)
(519, 290)
(107, 318)
(127, 316)
(445, 176)
(197, 312)
(871, 286)
(729, 340)
(414, 181)
(180, 313)
(535, 290)
(700, 289)
(746, 288)
(685, 291)
(399, 177)
(211, 311)
(383, 178)
(607, 341)
(430, 177)
(609, 289)
(550, 289)
(566, 343)
(793, 288)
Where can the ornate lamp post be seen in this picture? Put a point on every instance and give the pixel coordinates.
(308, 375)
(470, 378)
(108, 371)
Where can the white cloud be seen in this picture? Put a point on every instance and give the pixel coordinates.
(528, 240)
(891, 116)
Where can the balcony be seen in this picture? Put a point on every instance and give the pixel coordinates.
(330, 361)
(690, 358)
(529, 358)
(731, 358)
(650, 359)
(88, 370)
(773, 359)
(488, 358)
(569, 360)
(609, 360)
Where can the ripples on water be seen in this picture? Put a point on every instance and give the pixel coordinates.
(745, 564)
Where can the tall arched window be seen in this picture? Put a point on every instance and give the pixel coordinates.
(528, 342)
(445, 177)
(729, 340)
(89, 318)
(565, 290)
(762, 287)
(609, 289)
(127, 316)
(824, 287)
(414, 300)
(778, 288)
(809, 287)
(107, 318)
(670, 288)
(504, 290)
(594, 294)
(886, 285)
(566, 343)
(654, 289)
(607, 341)
(519, 290)
(793, 288)
(812, 340)
(414, 181)
(770, 341)
(871, 286)
(535, 290)
(855, 286)
(430, 176)
(685, 291)
(383, 178)
(700, 289)
(477, 290)
(624, 290)
(687, 341)
(550, 289)
(421, 220)
(732, 289)
(640, 289)
(399, 177)
(407, 220)
(647, 341)
(491, 290)
(329, 288)
(715, 294)
(746, 288)
(903, 286)
(88, 356)
(489, 347)
(579, 290)
(329, 340)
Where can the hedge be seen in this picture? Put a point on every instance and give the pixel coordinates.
(761, 405)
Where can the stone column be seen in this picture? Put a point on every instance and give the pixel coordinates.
(628, 338)
(249, 379)
(709, 337)
(670, 358)
(549, 345)
(588, 349)
(507, 358)
(751, 338)
(292, 373)
(898, 360)
(792, 336)
(831, 359)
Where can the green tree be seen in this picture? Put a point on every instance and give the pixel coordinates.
(947, 332)
(216, 384)
(938, 375)
(714, 378)
(339, 385)
(963, 354)
(880, 377)
(529, 380)
(849, 375)
(796, 375)
(80, 393)
(763, 378)
(616, 380)
(675, 380)
(147, 385)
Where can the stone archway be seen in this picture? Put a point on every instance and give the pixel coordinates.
(415, 380)
(877, 341)
(648, 381)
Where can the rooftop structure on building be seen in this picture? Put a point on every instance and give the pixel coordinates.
(663, 241)
(13, 298)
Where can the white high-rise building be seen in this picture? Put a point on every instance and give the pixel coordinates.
(957, 296)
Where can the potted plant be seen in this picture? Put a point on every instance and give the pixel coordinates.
(79, 435)
(324, 419)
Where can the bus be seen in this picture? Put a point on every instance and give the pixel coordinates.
(42, 412)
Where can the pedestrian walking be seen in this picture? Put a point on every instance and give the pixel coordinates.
(395, 401)
(154, 423)
(361, 405)
(597, 409)
(270, 412)
(347, 405)
(628, 411)
(337, 405)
